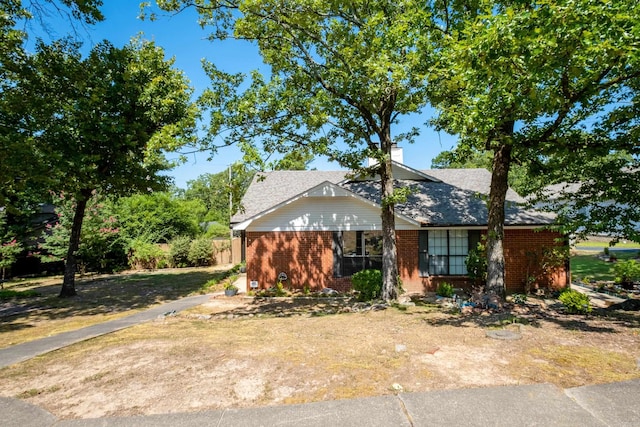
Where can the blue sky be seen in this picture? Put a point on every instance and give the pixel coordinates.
(182, 38)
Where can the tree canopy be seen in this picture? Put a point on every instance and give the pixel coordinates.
(534, 80)
(101, 123)
(342, 74)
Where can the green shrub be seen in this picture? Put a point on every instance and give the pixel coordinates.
(476, 263)
(217, 230)
(179, 251)
(445, 290)
(201, 251)
(575, 302)
(368, 283)
(145, 254)
(627, 271)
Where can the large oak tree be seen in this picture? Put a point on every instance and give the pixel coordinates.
(534, 79)
(342, 74)
(99, 123)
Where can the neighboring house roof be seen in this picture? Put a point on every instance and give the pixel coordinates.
(441, 197)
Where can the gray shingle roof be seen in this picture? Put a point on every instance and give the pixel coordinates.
(458, 200)
(269, 189)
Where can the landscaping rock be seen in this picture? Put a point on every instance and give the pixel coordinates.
(397, 387)
(628, 305)
(502, 334)
(401, 348)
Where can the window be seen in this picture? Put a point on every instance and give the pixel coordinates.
(354, 251)
(443, 252)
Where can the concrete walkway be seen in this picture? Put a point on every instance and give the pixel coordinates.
(531, 405)
(598, 299)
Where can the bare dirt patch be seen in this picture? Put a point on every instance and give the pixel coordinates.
(237, 352)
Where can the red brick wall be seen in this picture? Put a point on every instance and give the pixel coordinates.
(523, 252)
(307, 259)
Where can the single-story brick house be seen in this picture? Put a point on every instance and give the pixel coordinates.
(320, 227)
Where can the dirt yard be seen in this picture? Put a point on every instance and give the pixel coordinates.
(238, 352)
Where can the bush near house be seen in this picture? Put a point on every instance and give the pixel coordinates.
(627, 272)
(445, 290)
(368, 283)
(145, 255)
(575, 302)
(179, 251)
(201, 251)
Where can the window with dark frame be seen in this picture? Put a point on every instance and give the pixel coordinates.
(443, 252)
(355, 251)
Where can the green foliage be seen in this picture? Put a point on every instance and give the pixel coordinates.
(279, 289)
(145, 254)
(10, 248)
(9, 294)
(575, 302)
(550, 86)
(627, 271)
(179, 251)
(9, 252)
(445, 290)
(201, 251)
(100, 123)
(340, 77)
(159, 217)
(476, 263)
(368, 284)
(217, 230)
(101, 247)
(213, 190)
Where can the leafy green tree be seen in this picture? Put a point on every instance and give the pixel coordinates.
(521, 178)
(19, 19)
(214, 190)
(342, 74)
(100, 123)
(100, 248)
(533, 78)
(158, 217)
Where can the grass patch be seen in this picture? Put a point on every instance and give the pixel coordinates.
(256, 361)
(572, 366)
(590, 267)
(8, 294)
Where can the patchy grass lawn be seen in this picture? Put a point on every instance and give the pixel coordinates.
(30, 309)
(590, 267)
(240, 352)
(593, 268)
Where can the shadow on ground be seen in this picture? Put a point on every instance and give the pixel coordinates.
(105, 294)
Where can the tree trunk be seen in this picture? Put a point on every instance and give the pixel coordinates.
(389, 252)
(69, 281)
(495, 233)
